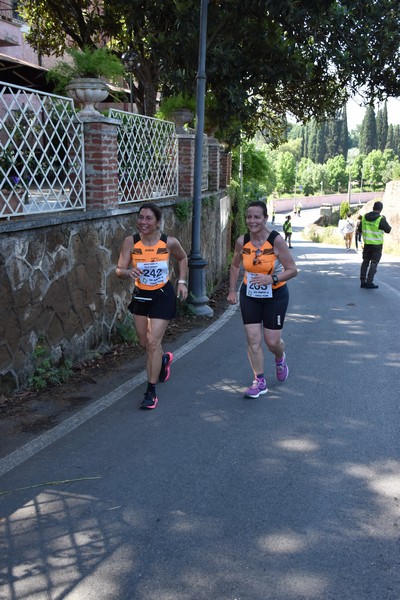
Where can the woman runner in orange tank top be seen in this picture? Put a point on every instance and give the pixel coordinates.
(144, 258)
(264, 295)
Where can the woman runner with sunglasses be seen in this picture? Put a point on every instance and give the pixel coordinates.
(264, 296)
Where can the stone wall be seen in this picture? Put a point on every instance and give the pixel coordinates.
(58, 282)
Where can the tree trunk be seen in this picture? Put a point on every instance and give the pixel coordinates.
(146, 89)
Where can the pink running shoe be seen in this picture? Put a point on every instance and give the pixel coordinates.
(165, 372)
(282, 370)
(149, 401)
(258, 388)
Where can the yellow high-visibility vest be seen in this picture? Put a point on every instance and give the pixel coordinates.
(371, 232)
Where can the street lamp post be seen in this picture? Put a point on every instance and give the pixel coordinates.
(349, 190)
(241, 167)
(197, 289)
(130, 60)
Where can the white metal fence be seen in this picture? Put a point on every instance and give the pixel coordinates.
(41, 153)
(147, 157)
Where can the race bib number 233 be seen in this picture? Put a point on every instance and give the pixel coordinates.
(258, 290)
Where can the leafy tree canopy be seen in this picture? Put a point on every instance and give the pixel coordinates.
(265, 58)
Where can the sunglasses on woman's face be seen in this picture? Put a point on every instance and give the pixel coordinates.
(256, 260)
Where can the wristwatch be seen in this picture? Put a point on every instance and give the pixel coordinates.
(274, 279)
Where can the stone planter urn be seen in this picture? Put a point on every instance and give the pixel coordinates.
(87, 91)
(181, 117)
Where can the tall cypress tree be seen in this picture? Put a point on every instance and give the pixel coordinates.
(312, 140)
(321, 145)
(378, 128)
(385, 125)
(382, 127)
(396, 139)
(343, 133)
(331, 139)
(390, 138)
(304, 142)
(368, 134)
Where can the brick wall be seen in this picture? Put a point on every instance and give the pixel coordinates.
(186, 147)
(214, 164)
(225, 168)
(101, 163)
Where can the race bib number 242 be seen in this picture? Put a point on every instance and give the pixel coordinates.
(154, 273)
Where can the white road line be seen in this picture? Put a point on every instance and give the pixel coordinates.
(46, 439)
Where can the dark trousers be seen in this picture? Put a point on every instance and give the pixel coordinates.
(371, 257)
(357, 238)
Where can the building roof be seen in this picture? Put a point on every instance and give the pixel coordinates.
(26, 74)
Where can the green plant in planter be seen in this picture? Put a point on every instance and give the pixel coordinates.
(87, 63)
(173, 104)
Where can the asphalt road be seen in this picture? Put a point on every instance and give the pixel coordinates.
(294, 496)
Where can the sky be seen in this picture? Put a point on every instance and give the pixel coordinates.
(355, 113)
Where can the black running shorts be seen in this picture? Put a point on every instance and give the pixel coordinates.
(268, 311)
(161, 303)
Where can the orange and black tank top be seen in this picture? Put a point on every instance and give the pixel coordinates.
(153, 261)
(261, 260)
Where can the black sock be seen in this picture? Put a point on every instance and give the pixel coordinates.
(151, 387)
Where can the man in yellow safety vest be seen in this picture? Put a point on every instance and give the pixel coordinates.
(287, 228)
(373, 226)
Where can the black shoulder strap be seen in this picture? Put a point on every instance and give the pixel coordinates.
(272, 236)
(136, 238)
